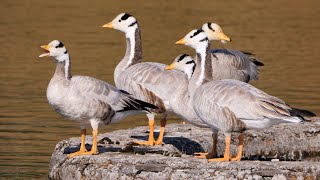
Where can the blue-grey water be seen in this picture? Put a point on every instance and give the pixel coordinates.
(283, 34)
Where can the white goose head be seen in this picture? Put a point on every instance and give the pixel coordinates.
(55, 49)
(123, 22)
(196, 39)
(184, 63)
(214, 32)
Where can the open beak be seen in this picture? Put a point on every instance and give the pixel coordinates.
(109, 25)
(181, 41)
(46, 49)
(222, 36)
(170, 67)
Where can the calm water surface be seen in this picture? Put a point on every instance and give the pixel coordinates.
(283, 34)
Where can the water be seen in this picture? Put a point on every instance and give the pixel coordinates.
(284, 35)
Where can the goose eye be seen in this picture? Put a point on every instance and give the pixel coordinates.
(60, 45)
(119, 20)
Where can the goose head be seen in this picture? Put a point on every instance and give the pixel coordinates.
(214, 32)
(184, 63)
(123, 22)
(55, 49)
(196, 39)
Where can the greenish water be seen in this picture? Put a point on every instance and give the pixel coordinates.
(283, 34)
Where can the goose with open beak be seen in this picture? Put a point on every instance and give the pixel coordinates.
(86, 99)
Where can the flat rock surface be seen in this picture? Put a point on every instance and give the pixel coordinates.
(293, 148)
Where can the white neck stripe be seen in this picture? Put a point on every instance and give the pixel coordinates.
(66, 68)
(131, 36)
(202, 52)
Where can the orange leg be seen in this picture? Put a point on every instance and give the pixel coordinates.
(163, 125)
(213, 152)
(239, 155)
(82, 147)
(226, 156)
(94, 148)
(150, 141)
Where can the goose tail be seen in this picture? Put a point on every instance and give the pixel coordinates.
(136, 104)
(304, 114)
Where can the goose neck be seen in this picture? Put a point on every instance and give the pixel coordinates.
(203, 58)
(133, 53)
(134, 48)
(63, 68)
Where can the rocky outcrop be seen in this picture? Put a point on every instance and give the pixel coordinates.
(283, 151)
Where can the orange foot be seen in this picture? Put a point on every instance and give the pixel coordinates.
(83, 151)
(226, 156)
(201, 155)
(224, 159)
(79, 153)
(240, 146)
(151, 141)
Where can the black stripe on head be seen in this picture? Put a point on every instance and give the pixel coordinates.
(60, 45)
(182, 56)
(205, 39)
(210, 27)
(125, 16)
(196, 33)
(132, 24)
(190, 62)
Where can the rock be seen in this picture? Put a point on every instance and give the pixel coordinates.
(119, 158)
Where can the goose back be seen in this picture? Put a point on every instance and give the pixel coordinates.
(149, 82)
(235, 65)
(245, 101)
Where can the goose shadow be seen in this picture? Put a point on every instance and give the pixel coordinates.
(184, 145)
(101, 149)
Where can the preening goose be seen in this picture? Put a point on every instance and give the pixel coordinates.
(230, 105)
(147, 81)
(86, 99)
(242, 66)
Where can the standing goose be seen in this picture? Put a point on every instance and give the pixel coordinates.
(86, 99)
(230, 105)
(147, 81)
(182, 103)
(231, 64)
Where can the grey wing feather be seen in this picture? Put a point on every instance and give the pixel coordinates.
(151, 83)
(82, 98)
(246, 101)
(215, 115)
(96, 91)
(240, 63)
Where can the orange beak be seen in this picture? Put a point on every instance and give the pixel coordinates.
(108, 25)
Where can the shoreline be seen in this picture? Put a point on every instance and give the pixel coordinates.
(119, 158)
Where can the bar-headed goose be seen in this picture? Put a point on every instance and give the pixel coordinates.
(86, 99)
(230, 105)
(239, 65)
(147, 81)
(182, 103)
